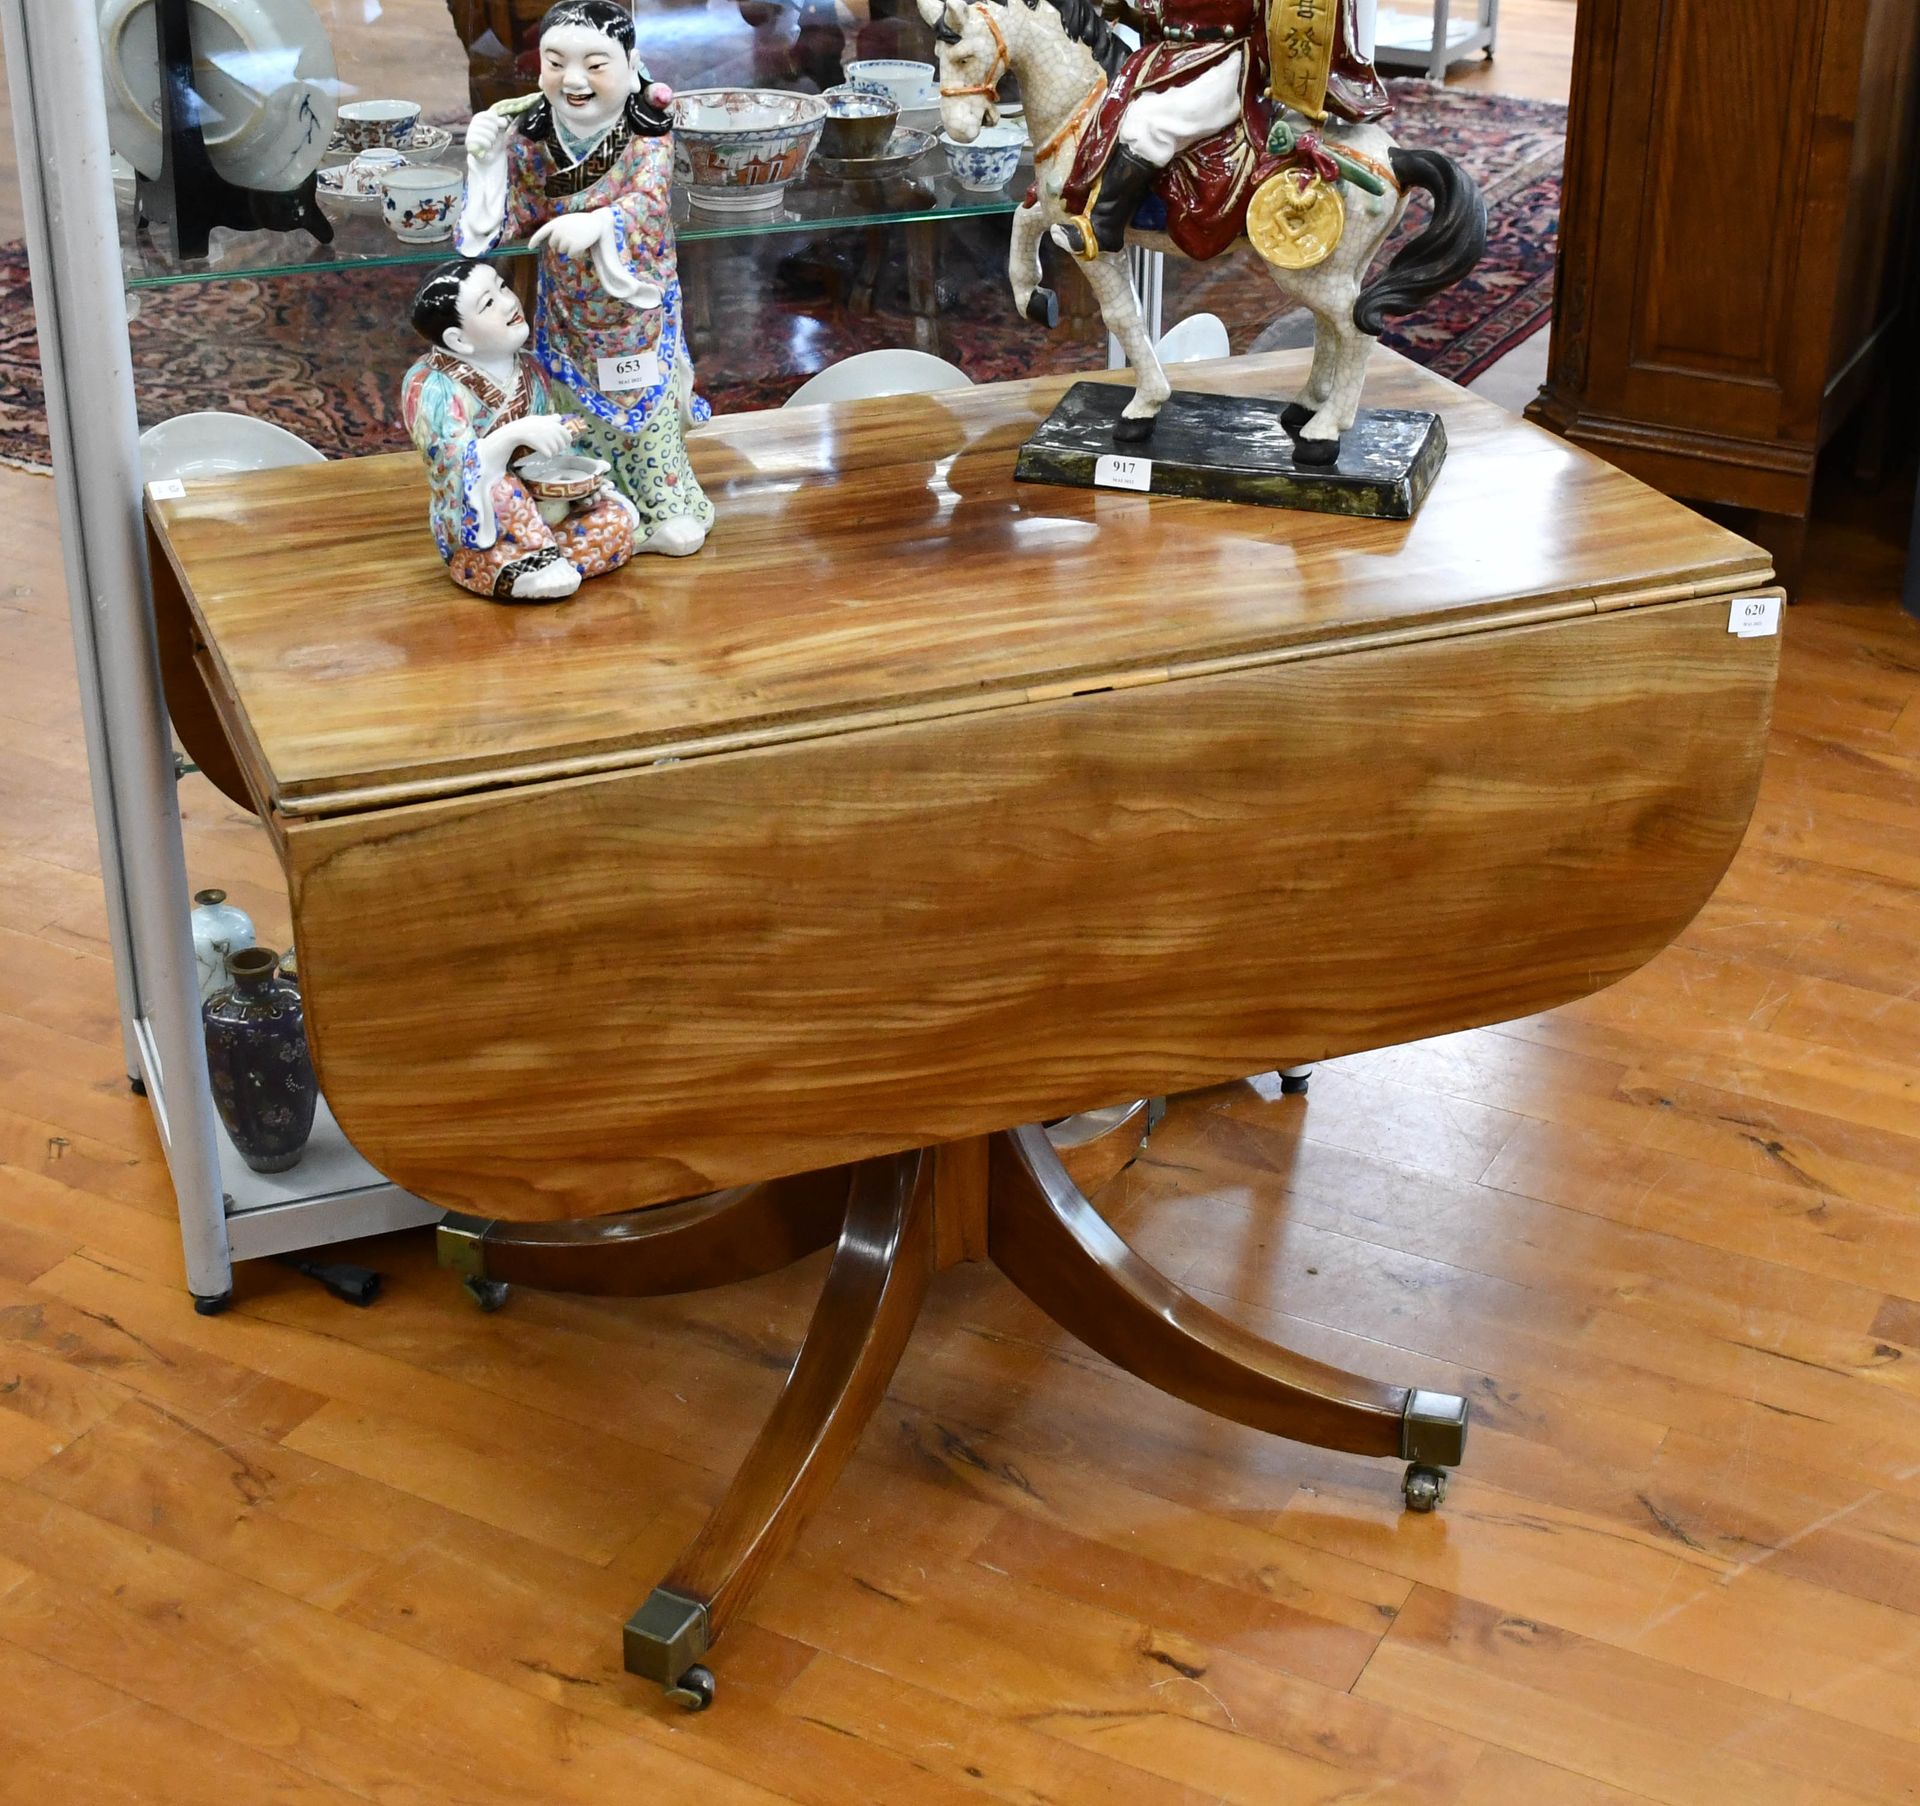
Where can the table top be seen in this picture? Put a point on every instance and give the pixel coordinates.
(872, 561)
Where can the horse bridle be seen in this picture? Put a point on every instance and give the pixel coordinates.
(1001, 60)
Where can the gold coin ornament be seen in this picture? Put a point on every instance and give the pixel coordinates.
(1295, 225)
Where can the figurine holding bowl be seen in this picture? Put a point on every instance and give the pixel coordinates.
(476, 405)
(584, 170)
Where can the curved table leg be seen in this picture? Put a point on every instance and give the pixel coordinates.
(1044, 1235)
(866, 1312)
(711, 1240)
(1096, 1146)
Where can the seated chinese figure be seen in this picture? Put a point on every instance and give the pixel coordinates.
(475, 405)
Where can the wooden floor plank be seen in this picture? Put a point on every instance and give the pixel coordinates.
(1620, 1719)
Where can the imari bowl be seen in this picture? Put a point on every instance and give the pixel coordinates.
(365, 123)
(738, 148)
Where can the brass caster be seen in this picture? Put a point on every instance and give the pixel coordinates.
(488, 1294)
(1424, 1487)
(694, 1689)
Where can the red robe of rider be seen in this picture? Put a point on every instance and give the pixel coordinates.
(1199, 63)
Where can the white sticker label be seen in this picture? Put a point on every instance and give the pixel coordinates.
(637, 370)
(1753, 617)
(168, 489)
(1110, 472)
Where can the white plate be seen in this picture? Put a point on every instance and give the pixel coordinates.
(212, 445)
(264, 68)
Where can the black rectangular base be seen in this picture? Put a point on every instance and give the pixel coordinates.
(1232, 448)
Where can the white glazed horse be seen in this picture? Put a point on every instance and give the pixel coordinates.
(1063, 54)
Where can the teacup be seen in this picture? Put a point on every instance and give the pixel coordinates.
(859, 122)
(364, 124)
(421, 205)
(367, 173)
(989, 161)
(911, 86)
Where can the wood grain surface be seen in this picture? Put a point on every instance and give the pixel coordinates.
(871, 560)
(589, 995)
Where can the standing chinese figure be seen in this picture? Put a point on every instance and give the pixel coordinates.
(584, 171)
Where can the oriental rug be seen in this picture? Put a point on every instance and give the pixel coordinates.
(322, 355)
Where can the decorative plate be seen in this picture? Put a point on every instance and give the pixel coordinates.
(266, 73)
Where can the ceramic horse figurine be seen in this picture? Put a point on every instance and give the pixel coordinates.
(1065, 56)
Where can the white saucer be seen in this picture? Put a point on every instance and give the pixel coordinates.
(327, 186)
(264, 68)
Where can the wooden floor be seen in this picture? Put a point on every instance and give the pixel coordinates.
(1667, 1240)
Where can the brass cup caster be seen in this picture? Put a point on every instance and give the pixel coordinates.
(1433, 1438)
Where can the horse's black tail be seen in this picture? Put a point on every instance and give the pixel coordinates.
(1454, 241)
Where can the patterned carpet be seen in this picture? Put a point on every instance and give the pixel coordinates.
(323, 356)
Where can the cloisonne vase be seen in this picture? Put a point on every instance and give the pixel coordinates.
(263, 1083)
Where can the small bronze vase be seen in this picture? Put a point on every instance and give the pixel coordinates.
(263, 1083)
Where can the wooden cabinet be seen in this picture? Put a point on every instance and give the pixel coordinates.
(1735, 236)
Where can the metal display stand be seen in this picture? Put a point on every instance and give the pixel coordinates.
(227, 1212)
(1460, 29)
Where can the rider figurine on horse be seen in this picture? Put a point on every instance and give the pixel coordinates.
(1201, 64)
(1249, 119)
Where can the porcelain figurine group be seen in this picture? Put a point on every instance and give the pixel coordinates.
(557, 453)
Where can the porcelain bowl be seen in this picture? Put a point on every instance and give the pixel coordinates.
(913, 86)
(738, 148)
(421, 205)
(363, 124)
(990, 160)
(859, 122)
(561, 476)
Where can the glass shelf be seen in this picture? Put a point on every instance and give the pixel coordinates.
(814, 204)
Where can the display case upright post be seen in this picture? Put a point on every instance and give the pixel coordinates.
(79, 289)
(53, 56)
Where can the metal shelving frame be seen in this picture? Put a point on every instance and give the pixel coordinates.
(227, 1213)
(80, 277)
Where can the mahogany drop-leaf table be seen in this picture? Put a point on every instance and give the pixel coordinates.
(756, 901)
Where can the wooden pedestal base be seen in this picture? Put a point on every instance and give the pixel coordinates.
(1008, 1198)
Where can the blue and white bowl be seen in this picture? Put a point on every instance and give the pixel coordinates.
(990, 160)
